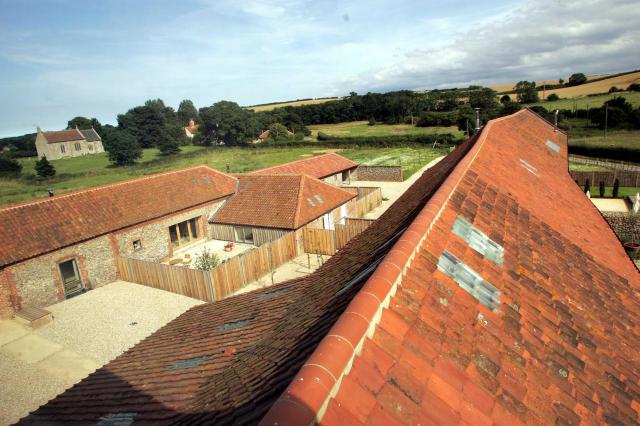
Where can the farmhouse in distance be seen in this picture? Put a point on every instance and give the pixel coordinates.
(68, 143)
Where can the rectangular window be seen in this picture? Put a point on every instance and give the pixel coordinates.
(478, 240)
(184, 232)
(137, 245)
(469, 280)
(90, 147)
(62, 149)
(70, 277)
(244, 234)
(78, 147)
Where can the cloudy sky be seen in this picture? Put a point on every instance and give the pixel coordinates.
(62, 58)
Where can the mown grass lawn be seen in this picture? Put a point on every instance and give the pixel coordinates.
(623, 191)
(362, 128)
(93, 170)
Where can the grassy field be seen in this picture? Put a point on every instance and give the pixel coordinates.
(575, 167)
(89, 171)
(292, 103)
(362, 128)
(623, 191)
(586, 102)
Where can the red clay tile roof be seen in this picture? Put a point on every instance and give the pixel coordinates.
(280, 201)
(264, 135)
(319, 167)
(38, 227)
(227, 362)
(562, 345)
(63, 136)
(193, 129)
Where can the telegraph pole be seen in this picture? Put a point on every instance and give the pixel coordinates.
(606, 119)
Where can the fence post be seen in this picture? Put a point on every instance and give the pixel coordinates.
(212, 290)
(244, 274)
(270, 263)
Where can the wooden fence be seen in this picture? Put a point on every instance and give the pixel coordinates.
(367, 200)
(328, 241)
(220, 282)
(610, 164)
(625, 178)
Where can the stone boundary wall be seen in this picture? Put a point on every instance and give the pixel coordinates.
(378, 173)
(626, 178)
(625, 225)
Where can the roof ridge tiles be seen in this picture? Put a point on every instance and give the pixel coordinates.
(105, 186)
(382, 285)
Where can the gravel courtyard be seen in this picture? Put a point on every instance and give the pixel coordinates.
(87, 331)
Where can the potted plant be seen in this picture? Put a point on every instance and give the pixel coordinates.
(633, 250)
(228, 246)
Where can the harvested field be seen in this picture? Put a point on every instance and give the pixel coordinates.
(291, 103)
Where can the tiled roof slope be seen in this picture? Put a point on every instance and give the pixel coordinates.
(38, 227)
(90, 135)
(227, 362)
(63, 136)
(561, 346)
(280, 201)
(319, 166)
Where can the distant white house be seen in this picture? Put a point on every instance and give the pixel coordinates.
(68, 143)
(191, 129)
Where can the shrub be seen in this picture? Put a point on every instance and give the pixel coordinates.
(634, 87)
(44, 168)
(601, 188)
(614, 89)
(122, 148)
(577, 79)
(553, 97)
(616, 188)
(322, 136)
(505, 99)
(206, 260)
(372, 121)
(9, 165)
(587, 186)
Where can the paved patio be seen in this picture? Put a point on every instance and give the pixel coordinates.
(189, 254)
(87, 331)
(391, 191)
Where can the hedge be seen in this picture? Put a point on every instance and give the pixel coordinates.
(613, 153)
(374, 141)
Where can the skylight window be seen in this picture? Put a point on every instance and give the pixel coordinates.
(469, 280)
(234, 325)
(319, 198)
(478, 240)
(553, 146)
(188, 363)
(529, 167)
(310, 201)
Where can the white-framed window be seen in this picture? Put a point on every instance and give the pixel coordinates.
(62, 149)
(244, 234)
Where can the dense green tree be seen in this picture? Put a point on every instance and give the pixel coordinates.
(616, 112)
(561, 81)
(44, 168)
(145, 123)
(504, 99)
(616, 188)
(228, 123)
(20, 146)
(122, 148)
(553, 97)
(9, 166)
(484, 98)
(577, 79)
(187, 111)
(634, 87)
(278, 132)
(509, 108)
(526, 92)
(84, 123)
(601, 189)
(171, 140)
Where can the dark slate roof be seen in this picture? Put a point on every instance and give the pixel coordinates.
(452, 330)
(37, 227)
(227, 362)
(91, 135)
(280, 201)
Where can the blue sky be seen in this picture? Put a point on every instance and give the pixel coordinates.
(62, 58)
